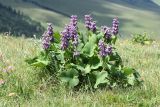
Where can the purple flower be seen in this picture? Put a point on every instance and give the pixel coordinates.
(73, 35)
(109, 50)
(73, 20)
(104, 50)
(47, 37)
(65, 38)
(107, 32)
(7, 69)
(46, 42)
(90, 25)
(115, 26)
(88, 20)
(93, 26)
(70, 33)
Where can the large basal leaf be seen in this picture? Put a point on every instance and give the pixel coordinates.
(74, 82)
(128, 71)
(31, 60)
(70, 76)
(147, 42)
(95, 62)
(131, 80)
(100, 36)
(79, 67)
(60, 56)
(80, 46)
(85, 69)
(101, 77)
(40, 63)
(114, 58)
(90, 46)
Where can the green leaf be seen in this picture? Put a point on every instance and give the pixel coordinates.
(100, 77)
(109, 66)
(79, 67)
(87, 69)
(40, 63)
(131, 80)
(31, 60)
(147, 42)
(54, 47)
(84, 69)
(100, 36)
(114, 38)
(60, 56)
(80, 46)
(90, 46)
(128, 71)
(95, 62)
(70, 76)
(57, 37)
(74, 82)
(115, 59)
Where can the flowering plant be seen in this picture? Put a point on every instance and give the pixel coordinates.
(89, 58)
(143, 39)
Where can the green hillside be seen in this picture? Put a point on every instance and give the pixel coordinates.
(135, 16)
(157, 2)
(16, 23)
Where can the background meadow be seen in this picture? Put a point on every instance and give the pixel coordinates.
(24, 86)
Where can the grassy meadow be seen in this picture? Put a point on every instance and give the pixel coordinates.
(25, 86)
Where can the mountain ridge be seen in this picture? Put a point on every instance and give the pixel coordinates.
(16, 23)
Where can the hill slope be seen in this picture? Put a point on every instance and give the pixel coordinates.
(134, 16)
(16, 23)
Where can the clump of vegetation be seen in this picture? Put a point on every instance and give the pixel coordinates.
(143, 39)
(85, 58)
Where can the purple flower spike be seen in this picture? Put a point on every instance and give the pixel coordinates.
(109, 50)
(73, 35)
(107, 32)
(90, 25)
(93, 26)
(115, 26)
(104, 50)
(73, 20)
(47, 37)
(65, 38)
(70, 33)
(88, 20)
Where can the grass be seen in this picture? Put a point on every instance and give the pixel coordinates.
(134, 18)
(28, 87)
